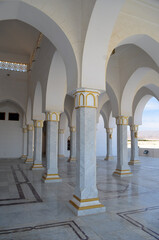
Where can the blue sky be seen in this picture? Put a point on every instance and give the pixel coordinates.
(150, 117)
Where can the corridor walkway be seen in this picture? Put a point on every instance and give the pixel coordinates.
(32, 210)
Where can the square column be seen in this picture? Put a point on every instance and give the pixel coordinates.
(37, 165)
(30, 129)
(51, 174)
(61, 143)
(122, 168)
(24, 156)
(109, 132)
(134, 145)
(85, 199)
(72, 144)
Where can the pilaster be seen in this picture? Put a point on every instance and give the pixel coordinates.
(24, 155)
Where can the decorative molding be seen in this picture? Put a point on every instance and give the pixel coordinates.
(13, 66)
(86, 98)
(110, 132)
(61, 131)
(72, 129)
(24, 130)
(53, 116)
(38, 123)
(30, 127)
(122, 120)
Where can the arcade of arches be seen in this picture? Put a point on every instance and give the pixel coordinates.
(63, 64)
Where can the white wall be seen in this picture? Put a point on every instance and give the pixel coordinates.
(101, 144)
(11, 134)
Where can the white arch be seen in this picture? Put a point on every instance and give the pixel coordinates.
(37, 103)
(57, 85)
(38, 19)
(140, 108)
(141, 77)
(100, 28)
(73, 124)
(145, 42)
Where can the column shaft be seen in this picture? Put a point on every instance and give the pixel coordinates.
(51, 174)
(61, 143)
(30, 144)
(37, 165)
(24, 155)
(122, 168)
(72, 144)
(85, 199)
(134, 145)
(109, 132)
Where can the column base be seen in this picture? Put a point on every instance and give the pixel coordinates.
(23, 157)
(71, 159)
(109, 158)
(133, 162)
(83, 207)
(29, 160)
(37, 167)
(61, 156)
(48, 178)
(122, 173)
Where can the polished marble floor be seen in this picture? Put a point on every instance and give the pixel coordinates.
(33, 210)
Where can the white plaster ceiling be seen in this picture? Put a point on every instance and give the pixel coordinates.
(17, 41)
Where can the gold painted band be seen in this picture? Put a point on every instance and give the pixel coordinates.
(86, 200)
(86, 207)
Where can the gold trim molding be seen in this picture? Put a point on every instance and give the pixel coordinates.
(72, 129)
(61, 131)
(86, 98)
(53, 116)
(30, 127)
(24, 130)
(122, 120)
(38, 123)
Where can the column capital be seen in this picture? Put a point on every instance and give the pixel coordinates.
(38, 123)
(25, 130)
(134, 128)
(61, 131)
(122, 120)
(109, 130)
(30, 127)
(53, 116)
(72, 129)
(86, 98)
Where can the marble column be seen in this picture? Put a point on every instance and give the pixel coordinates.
(51, 174)
(85, 199)
(30, 136)
(24, 155)
(134, 145)
(109, 132)
(72, 144)
(38, 126)
(61, 143)
(122, 168)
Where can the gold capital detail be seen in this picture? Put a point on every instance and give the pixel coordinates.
(38, 123)
(30, 127)
(86, 98)
(134, 128)
(122, 120)
(53, 116)
(72, 129)
(61, 131)
(24, 130)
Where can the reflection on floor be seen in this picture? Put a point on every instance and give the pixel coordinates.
(30, 209)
